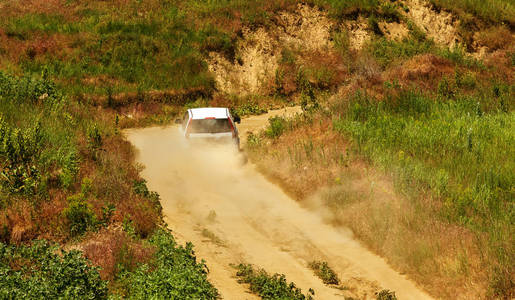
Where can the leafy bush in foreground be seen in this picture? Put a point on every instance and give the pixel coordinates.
(40, 272)
(173, 274)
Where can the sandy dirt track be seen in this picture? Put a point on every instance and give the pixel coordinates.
(232, 215)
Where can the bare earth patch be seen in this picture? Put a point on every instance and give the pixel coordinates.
(394, 31)
(259, 51)
(440, 26)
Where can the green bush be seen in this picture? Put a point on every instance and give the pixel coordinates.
(34, 136)
(276, 127)
(41, 271)
(174, 273)
(269, 286)
(459, 56)
(28, 89)
(140, 188)
(20, 151)
(79, 215)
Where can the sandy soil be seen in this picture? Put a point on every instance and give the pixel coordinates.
(232, 214)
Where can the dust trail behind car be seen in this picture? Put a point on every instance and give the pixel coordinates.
(232, 214)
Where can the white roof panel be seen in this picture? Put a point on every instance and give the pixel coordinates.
(209, 112)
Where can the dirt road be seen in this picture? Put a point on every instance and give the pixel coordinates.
(232, 214)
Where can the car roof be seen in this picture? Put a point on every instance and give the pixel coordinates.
(209, 112)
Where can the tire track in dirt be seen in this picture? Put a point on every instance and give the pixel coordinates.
(208, 194)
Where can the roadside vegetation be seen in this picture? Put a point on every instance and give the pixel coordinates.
(407, 142)
(324, 272)
(269, 286)
(448, 154)
(415, 156)
(68, 177)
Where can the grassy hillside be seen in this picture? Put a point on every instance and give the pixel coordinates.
(435, 123)
(68, 177)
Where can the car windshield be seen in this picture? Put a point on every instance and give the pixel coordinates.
(209, 126)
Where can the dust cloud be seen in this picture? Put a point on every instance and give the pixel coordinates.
(208, 187)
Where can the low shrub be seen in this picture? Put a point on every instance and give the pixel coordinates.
(40, 271)
(174, 273)
(79, 215)
(269, 286)
(324, 272)
(386, 295)
(276, 127)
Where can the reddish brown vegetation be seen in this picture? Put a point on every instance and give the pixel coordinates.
(112, 249)
(424, 71)
(16, 8)
(496, 38)
(19, 224)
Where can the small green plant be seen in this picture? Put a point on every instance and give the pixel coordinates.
(276, 127)
(253, 140)
(287, 56)
(140, 188)
(269, 286)
(373, 25)
(107, 214)
(342, 41)
(94, 138)
(387, 51)
(79, 215)
(324, 272)
(19, 152)
(459, 56)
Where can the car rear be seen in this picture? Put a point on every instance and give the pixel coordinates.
(211, 124)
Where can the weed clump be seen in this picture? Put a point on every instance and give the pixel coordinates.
(269, 286)
(79, 215)
(386, 295)
(277, 125)
(324, 272)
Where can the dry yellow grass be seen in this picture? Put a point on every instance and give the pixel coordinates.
(349, 192)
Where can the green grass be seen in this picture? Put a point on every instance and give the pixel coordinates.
(161, 50)
(387, 52)
(493, 11)
(146, 45)
(459, 151)
(35, 128)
